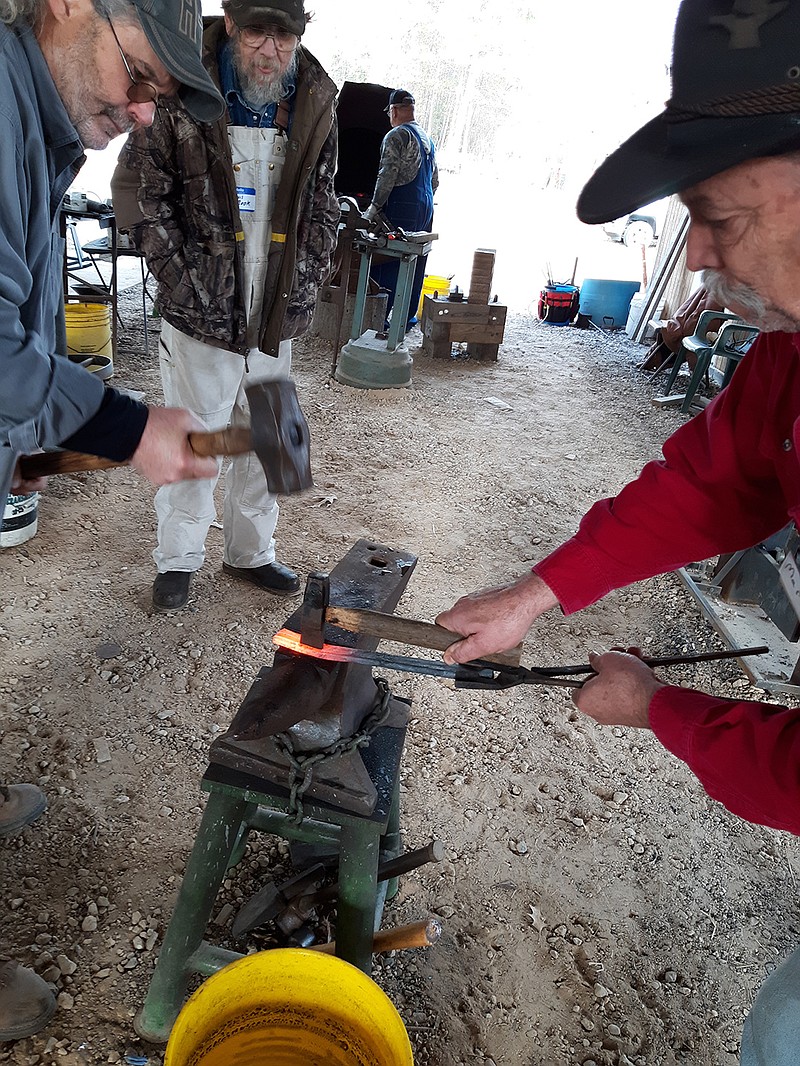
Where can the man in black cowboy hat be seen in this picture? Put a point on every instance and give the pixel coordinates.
(729, 143)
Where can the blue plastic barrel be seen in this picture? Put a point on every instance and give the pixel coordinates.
(607, 302)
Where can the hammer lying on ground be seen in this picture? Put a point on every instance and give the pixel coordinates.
(316, 612)
(278, 434)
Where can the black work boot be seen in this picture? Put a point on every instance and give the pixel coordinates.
(19, 806)
(272, 577)
(171, 590)
(26, 1002)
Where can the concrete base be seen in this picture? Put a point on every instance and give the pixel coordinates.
(366, 364)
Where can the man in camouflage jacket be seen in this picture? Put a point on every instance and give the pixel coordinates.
(237, 221)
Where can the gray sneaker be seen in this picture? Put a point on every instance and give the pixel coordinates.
(19, 806)
(26, 1002)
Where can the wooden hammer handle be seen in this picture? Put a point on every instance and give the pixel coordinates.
(414, 935)
(407, 631)
(237, 440)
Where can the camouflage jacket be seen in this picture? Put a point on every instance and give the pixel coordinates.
(400, 161)
(174, 189)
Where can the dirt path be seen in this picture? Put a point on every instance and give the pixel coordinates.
(598, 907)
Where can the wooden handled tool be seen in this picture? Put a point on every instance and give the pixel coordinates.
(414, 935)
(278, 435)
(236, 440)
(407, 631)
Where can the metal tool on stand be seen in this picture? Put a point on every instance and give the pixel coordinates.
(499, 671)
(312, 755)
(374, 359)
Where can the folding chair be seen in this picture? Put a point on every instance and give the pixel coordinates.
(732, 344)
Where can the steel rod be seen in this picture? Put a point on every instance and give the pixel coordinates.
(668, 660)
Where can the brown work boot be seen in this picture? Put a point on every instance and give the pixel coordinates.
(26, 1002)
(19, 806)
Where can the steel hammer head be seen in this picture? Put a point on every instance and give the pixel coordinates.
(280, 436)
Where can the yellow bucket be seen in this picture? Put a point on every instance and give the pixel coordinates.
(88, 330)
(289, 1007)
(432, 283)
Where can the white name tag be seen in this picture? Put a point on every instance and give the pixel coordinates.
(247, 199)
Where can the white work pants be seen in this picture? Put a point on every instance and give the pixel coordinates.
(211, 383)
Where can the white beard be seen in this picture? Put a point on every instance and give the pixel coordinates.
(747, 302)
(259, 93)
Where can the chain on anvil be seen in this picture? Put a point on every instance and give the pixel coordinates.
(302, 766)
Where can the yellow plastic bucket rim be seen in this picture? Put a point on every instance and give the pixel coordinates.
(281, 977)
(82, 308)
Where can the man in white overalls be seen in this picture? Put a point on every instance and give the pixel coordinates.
(238, 223)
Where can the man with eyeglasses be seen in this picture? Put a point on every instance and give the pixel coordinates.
(73, 75)
(407, 179)
(237, 220)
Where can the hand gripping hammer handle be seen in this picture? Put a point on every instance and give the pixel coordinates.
(236, 440)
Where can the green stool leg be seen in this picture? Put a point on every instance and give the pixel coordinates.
(392, 842)
(216, 839)
(402, 298)
(358, 887)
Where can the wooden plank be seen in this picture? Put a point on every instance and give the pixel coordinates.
(460, 331)
(486, 352)
(439, 310)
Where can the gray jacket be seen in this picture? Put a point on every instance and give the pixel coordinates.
(44, 398)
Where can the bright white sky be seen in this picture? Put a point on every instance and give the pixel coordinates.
(601, 67)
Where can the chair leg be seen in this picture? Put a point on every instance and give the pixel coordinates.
(680, 359)
(699, 372)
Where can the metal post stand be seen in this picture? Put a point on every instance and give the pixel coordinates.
(376, 359)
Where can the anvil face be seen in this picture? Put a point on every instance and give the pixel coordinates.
(311, 700)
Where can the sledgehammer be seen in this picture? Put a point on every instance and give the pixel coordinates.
(278, 434)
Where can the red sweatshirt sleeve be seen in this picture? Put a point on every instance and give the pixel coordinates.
(745, 754)
(727, 481)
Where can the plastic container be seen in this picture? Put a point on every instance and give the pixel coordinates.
(289, 1007)
(88, 331)
(558, 304)
(432, 283)
(20, 519)
(607, 302)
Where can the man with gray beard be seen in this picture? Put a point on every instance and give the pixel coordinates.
(729, 143)
(237, 220)
(72, 76)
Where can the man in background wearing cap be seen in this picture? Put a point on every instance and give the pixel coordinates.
(407, 179)
(73, 74)
(729, 143)
(237, 220)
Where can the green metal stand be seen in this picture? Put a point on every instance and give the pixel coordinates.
(372, 359)
(239, 804)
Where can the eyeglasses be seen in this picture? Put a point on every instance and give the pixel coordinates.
(139, 92)
(255, 36)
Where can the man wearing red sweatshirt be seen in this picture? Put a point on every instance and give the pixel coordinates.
(729, 143)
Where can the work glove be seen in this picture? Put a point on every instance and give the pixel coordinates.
(371, 213)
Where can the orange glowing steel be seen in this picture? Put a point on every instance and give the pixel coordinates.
(290, 641)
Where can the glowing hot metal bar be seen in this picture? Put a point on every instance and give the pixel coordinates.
(469, 675)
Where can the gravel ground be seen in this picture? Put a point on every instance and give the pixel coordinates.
(598, 908)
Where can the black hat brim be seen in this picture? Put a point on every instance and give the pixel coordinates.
(666, 157)
(197, 91)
